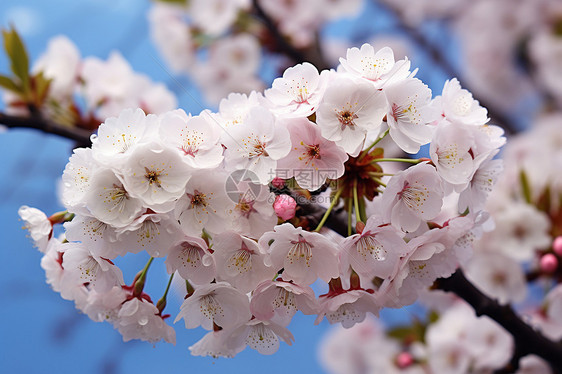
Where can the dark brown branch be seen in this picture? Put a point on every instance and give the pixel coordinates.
(527, 340)
(81, 136)
(313, 55)
(436, 54)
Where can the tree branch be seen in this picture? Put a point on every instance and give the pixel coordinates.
(527, 340)
(314, 55)
(440, 60)
(81, 136)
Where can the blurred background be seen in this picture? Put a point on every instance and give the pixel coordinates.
(500, 51)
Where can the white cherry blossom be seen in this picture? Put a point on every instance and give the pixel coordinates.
(80, 267)
(76, 179)
(279, 301)
(298, 92)
(240, 261)
(140, 319)
(39, 227)
(458, 105)
(216, 303)
(451, 152)
(411, 196)
(203, 204)
(304, 256)
(108, 200)
(347, 308)
(263, 336)
(118, 136)
(348, 111)
(152, 232)
(407, 115)
(196, 138)
(257, 144)
(378, 67)
(191, 258)
(312, 158)
(375, 252)
(156, 175)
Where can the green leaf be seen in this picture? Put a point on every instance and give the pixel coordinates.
(9, 84)
(19, 61)
(41, 88)
(525, 187)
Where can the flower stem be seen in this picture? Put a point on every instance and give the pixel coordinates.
(379, 181)
(162, 302)
(366, 151)
(139, 283)
(407, 160)
(356, 202)
(329, 210)
(189, 288)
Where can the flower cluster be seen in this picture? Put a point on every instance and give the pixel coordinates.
(83, 91)
(219, 43)
(455, 341)
(199, 191)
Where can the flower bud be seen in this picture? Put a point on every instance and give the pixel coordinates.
(549, 263)
(278, 182)
(404, 359)
(285, 207)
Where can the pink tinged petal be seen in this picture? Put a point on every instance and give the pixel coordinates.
(262, 339)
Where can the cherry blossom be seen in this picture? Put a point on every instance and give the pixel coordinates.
(217, 303)
(411, 196)
(348, 111)
(376, 251)
(80, 267)
(263, 336)
(155, 175)
(240, 261)
(298, 92)
(378, 67)
(303, 255)
(408, 115)
(191, 258)
(140, 319)
(39, 227)
(279, 301)
(257, 144)
(196, 138)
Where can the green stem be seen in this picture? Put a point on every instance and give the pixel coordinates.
(162, 302)
(356, 202)
(407, 160)
(139, 284)
(366, 151)
(375, 174)
(329, 210)
(189, 288)
(379, 181)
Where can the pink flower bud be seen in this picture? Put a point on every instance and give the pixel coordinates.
(404, 359)
(549, 263)
(278, 182)
(285, 207)
(557, 245)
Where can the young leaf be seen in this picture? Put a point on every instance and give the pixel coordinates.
(9, 84)
(19, 61)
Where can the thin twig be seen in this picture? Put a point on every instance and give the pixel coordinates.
(438, 57)
(81, 136)
(527, 340)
